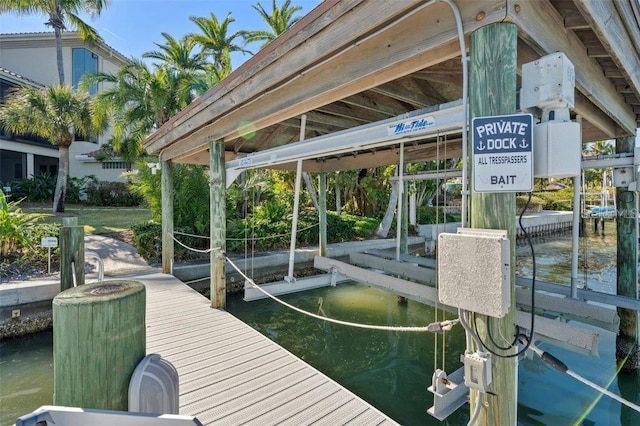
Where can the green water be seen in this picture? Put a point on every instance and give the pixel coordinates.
(392, 370)
(26, 375)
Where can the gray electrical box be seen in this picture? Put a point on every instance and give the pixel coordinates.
(474, 271)
(154, 387)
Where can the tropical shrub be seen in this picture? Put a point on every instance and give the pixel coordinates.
(427, 215)
(14, 227)
(112, 194)
(41, 188)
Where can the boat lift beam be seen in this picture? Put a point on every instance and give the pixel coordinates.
(428, 122)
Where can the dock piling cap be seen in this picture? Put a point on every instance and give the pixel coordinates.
(99, 292)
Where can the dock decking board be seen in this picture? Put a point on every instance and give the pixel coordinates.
(230, 374)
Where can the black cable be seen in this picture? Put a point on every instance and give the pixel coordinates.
(518, 335)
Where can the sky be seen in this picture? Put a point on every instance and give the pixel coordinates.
(133, 26)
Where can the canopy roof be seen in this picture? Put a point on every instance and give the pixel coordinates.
(353, 62)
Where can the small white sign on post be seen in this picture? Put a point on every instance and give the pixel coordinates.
(502, 153)
(49, 243)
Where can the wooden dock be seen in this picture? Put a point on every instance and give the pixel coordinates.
(230, 374)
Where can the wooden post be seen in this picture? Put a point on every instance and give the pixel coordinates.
(627, 271)
(98, 340)
(167, 217)
(71, 253)
(322, 214)
(218, 223)
(492, 90)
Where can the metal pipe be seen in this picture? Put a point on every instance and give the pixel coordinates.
(400, 195)
(296, 203)
(575, 237)
(465, 109)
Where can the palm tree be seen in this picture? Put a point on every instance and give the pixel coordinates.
(279, 20)
(57, 113)
(61, 13)
(177, 54)
(138, 99)
(217, 42)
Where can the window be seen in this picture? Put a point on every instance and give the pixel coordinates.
(84, 62)
(116, 165)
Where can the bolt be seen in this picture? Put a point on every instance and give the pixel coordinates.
(15, 313)
(480, 16)
(516, 8)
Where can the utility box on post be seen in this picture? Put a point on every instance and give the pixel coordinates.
(474, 271)
(548, 90)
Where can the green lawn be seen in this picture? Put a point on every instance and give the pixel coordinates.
(98, 220)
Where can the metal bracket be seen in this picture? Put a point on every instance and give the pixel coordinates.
(449, 393)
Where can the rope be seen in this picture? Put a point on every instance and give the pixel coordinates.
(209, 250)
(434, 327)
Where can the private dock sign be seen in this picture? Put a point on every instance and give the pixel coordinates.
(502, 153)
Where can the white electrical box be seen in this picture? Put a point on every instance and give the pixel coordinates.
(622, 177)
(548, 83)
(477, 371)
(557, 149)
(474, 270)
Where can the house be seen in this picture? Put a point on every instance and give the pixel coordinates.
(30, 59)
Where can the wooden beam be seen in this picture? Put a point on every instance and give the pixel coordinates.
(217, 224)
(341, 109)
(407, 270)
(627, 351)
(574, 338)
(414, 291)
(370, 60)
(612, 32)
(167, 191)
(411, 95)
(312, 25)
(368, 101)
(541, 26)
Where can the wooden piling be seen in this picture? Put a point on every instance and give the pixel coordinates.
(627, 271)
(71, 254)
(492, 90)
(167, 217)
(98, 340)
(218, 223)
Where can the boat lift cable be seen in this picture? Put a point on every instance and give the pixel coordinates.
(436, 327)
(562, 367)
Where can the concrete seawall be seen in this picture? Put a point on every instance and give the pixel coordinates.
(546, 222)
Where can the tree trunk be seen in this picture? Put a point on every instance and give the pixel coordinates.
(387, 219)
(58, 35)
(61, 184)
(312, 190)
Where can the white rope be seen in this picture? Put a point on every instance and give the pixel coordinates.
(192, 235)
(209, 250)
(445, 325)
